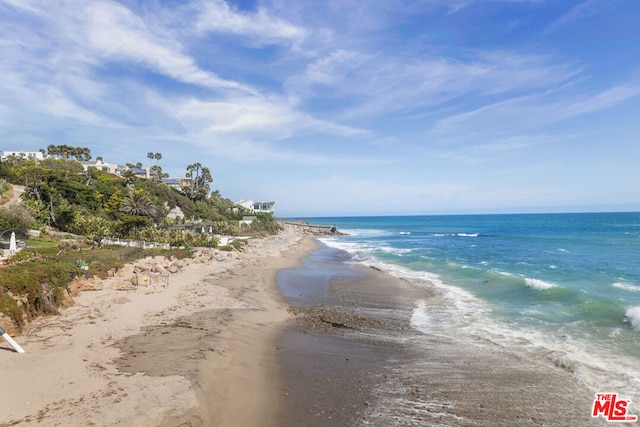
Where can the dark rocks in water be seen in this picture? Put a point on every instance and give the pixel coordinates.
(330, 318)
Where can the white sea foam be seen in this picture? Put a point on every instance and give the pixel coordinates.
(633, 316)
(538, 284)
(468, 234)
(366, 232)
(395, 251)
(341, 244)
(420, 317)
(626, 286)
(458, 313)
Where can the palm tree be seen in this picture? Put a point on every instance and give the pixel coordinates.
(139, 204)
(150, 156)
(158, 156)
(200, 180)
(129, 177)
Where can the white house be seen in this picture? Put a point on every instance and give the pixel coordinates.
(98, 164)
(38, 155)
(257, 207)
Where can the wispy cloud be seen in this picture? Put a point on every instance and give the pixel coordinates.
(577, 12)
(385, 83)
(526, 113)
(259, 27)
(116, 33)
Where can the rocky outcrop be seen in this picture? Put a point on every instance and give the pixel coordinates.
(83, 283)
(304, 227)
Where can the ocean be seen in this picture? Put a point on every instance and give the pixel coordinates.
(561, 287)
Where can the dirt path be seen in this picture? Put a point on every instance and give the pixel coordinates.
(15, 191)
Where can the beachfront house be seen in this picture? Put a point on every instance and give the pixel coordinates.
(22, 154)
(100, 165)
(257, 207)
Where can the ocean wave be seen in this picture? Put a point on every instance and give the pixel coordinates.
(367, 232)
(455, 235)
(341, 244)
(538, 284)
(394, 251)
(626, 287)
(633, 316)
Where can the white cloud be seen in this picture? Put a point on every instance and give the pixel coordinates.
(116, 33)
(261, 27)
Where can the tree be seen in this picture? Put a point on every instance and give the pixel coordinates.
(158, 156)
(150, 156)
(137, 203)
(200, 180)
(157, 171)
(66, 152)
(129, 177)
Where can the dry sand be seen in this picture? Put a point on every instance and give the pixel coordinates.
(199, 351)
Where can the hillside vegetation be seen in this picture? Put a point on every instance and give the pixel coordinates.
(75, 209)
(97, 204)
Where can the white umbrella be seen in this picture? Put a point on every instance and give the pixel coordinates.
(12, 243)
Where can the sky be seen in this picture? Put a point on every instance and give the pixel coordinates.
(341, 107)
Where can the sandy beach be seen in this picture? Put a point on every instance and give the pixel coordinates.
(281, 334)
(196, 352)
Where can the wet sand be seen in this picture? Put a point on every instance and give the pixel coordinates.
(353, 359)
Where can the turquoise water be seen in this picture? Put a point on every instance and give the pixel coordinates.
(562, 286)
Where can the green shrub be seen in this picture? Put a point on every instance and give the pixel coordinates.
(40, 283)
(16, 217)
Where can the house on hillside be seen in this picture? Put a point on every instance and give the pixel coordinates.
(257, 207)
(139, 172)
(177, 183)
(100, 165)
(22, 154)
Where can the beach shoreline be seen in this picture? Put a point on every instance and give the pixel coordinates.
(358, 342)
(190, 353)
(223, 345)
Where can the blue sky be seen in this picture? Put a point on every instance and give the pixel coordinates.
(341, 107)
